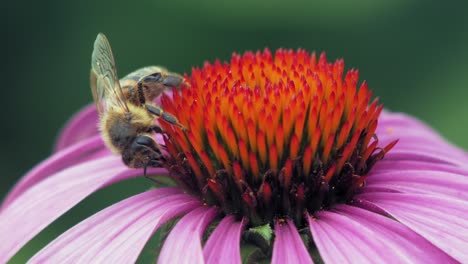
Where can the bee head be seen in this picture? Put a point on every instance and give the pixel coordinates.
(142, 152)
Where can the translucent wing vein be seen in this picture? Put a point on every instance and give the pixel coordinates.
(104, 81)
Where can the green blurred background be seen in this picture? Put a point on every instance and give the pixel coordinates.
(413, 54)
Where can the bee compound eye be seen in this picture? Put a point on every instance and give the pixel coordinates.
(144, 140)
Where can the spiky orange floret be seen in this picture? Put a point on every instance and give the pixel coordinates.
(273, 134)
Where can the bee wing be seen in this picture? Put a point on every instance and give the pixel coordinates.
(105, 84)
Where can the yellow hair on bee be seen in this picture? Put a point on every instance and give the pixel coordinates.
(118, 127)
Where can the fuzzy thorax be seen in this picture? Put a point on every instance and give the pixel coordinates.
(119, 127)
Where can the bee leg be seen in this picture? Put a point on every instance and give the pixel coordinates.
(158, 111)
(149, 178)
(157, 130)
(173, 80)
(169, 80)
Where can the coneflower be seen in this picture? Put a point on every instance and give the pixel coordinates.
(286, 158)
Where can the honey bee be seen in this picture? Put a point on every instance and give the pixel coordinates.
(127, 113)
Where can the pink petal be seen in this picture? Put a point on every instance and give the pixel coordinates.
(440, 219)
(224, 243)
(401, 119)
(423, 145)
(118, 233)
(82, 125)
(417, 141)
(421, 181)
(400, 154)
(401, 165)
(288, 246)
(386, 131)
(44, 202)
(183, 245)
(352, 235)
(80, 152)
(401, 125)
